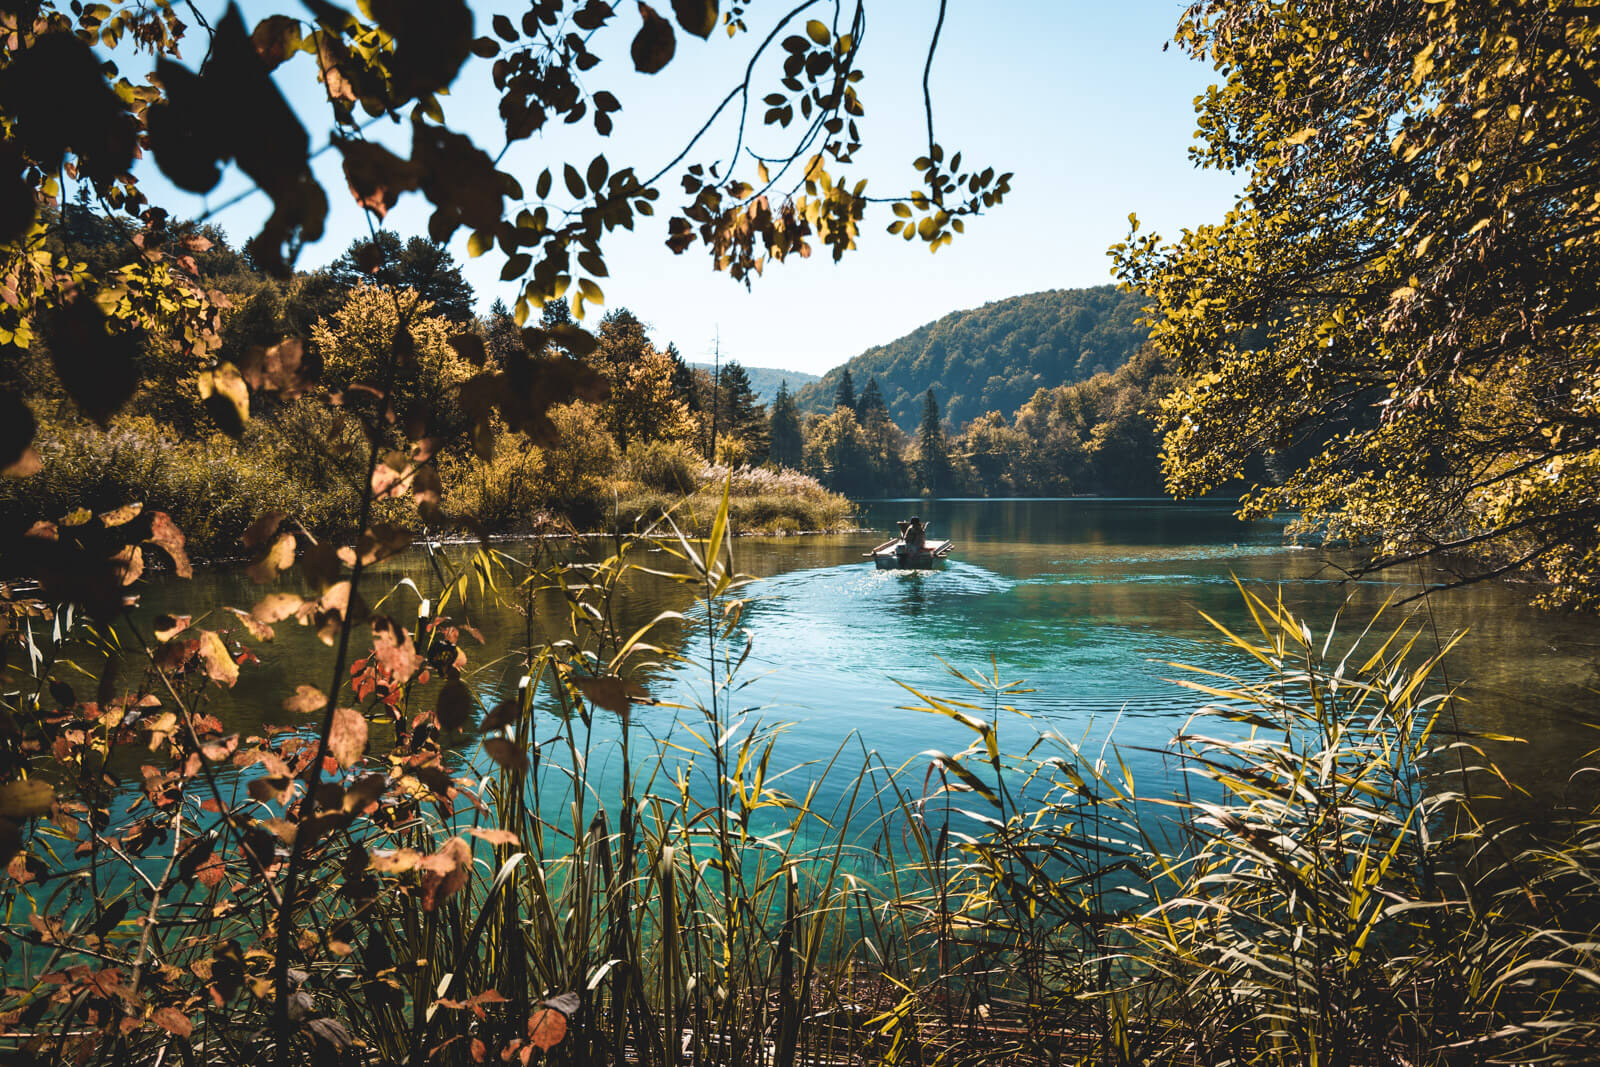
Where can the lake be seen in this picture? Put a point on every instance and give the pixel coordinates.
(1086, 601)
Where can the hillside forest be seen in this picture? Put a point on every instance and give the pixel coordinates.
(652, 427)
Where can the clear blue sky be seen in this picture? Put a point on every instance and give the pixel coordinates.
(1076, 97)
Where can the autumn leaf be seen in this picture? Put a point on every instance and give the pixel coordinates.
(165, 535)
(260, 531)
(347, 742)
(456, 705)
(17, 426)
(699, 17)
(306, 699)
(173, 1022)
(275, 607)
(376, 175)
(444, 872)
(276, 38)
(398, 861)
(494, 836)
(506, 753)
(277, 559)
(219, 663)
(225, 397)
(654, 44)
(26, 799)
(609, 691)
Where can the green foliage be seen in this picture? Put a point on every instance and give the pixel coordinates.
(933, 454)
(1398, 312)
(994, 357)
(787, 445)
(213, 488)
(663, 466)
(525, 486)
(1097, 436)
(423, 266)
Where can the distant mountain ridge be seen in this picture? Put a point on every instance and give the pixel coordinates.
(994, 357)
(765, 380)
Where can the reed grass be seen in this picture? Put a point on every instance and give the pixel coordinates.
(1336, 881)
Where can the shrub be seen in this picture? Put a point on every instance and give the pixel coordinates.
(667, 466)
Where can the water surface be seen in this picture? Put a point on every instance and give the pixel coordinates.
(1088, 602)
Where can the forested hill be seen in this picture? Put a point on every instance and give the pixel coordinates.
(764, 381)
(994, 357)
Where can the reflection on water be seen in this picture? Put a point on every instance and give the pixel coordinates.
(1086, 600)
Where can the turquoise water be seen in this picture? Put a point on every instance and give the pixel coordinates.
(1086, 602)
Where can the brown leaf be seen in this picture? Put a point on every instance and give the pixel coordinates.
(17, 426)
(128, 564)
(456, 705)
(260, 531)
(494, 836)
(306, 699)
(445, 872)
(219, 664)
(699, 17)
(225, 397)
(653, 47)
(26, 798)
(546, 1027)
(378, 543)
(121, 516)
(394, 649)
(276, 38)
(609, 691)
(274, 607)
(258, 629)
(277, 559)
(278, 369)
(469, 346)
(376, 175)
(173, 1022)
(348, 740)
(95, 359)
(504, 714)
(506, 753)
(165, 535)
(274, 788)
(331, 59)
(397, 862)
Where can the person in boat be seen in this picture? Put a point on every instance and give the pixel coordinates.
(914, 534)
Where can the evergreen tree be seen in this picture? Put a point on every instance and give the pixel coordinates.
(501, 335)
(871, 404)
(684, 386)
(741, 414)
(557, 313)
(418, 264)
(845, 395)
(787, 442)
(933, 468)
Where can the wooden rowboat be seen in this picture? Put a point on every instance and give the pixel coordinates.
(896, 555)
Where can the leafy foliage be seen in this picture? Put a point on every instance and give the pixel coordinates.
(992, 358)
(1400, 306)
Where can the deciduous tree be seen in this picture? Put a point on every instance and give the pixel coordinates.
(1404, 297)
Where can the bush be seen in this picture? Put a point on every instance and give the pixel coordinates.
(667, 466)
(295, 462)
(522, 481)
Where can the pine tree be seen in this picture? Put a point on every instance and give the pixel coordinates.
(871, 403)
(742, 416)
(501, 335)
(787, 442)
(845, 395)
(684, 386)
(418, 264)
(933, 467)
